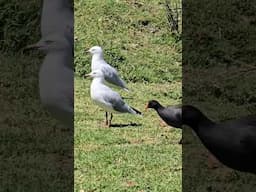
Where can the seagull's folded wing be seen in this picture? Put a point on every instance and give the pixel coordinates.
(112, 76)
(116, 102)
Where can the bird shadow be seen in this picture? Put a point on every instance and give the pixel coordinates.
(125, 125)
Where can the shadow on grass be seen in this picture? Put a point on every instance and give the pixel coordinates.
(126, 125)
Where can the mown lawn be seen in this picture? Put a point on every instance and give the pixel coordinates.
(144, 157)
(35, 151)
(137, 154)
(218, 75)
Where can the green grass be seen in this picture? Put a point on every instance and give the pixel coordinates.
(34, 148)
(146, 157)
(137, 41)
(136, 38)
(218, 71)
(19, 24)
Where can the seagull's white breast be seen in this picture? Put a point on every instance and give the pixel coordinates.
(97, 96)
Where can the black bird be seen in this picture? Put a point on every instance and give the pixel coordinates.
(171, 114)
(232, 142)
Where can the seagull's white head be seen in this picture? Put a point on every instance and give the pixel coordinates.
(96, 50)
(96, 74)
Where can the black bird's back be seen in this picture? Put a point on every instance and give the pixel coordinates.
(171, 115)
(233, 142)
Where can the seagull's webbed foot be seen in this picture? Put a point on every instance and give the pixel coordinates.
(108, 120)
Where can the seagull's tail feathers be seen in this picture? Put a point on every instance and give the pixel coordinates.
(121, 84)
(135, 111)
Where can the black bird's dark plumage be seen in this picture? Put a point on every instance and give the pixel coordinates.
(232, 142)
(170, 115)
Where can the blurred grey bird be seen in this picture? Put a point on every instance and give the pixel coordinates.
(106, 98)
(110, 73)
(56, 78)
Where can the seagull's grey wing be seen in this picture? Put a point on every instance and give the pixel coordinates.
(116, 101)
(111, 76)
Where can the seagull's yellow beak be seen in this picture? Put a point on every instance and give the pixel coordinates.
(32, 46)
(87, 75)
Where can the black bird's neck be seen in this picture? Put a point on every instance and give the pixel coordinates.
(158, 107)
(203, 123)
(195, 119)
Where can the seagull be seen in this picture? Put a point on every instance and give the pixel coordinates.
(56, 77)
(106, 98)
(110, 74)
(61, 40)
